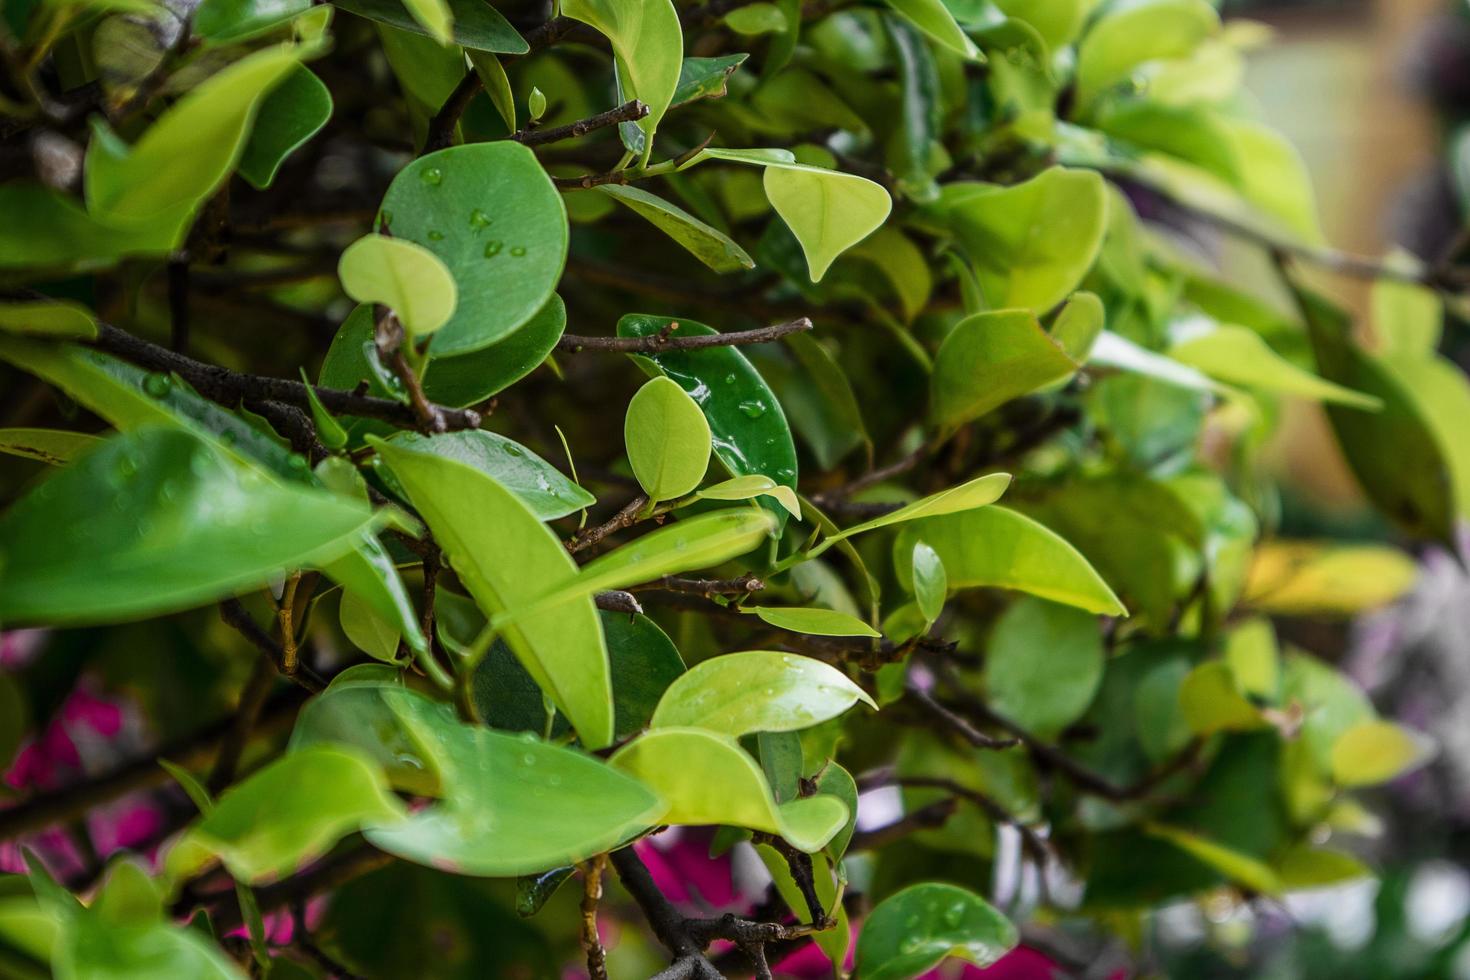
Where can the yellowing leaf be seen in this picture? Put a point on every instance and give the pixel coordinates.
(1302, 578)
(1373, 752)
(1238, 355)
(407, 278)
(1210, 702)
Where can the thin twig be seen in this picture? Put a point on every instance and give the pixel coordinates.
(707, 587)
(630, 111)
(235, 614)
(658, 343)
(958, 724)
(927, 817)
(252, 699)
(591, 895)
(623, 518)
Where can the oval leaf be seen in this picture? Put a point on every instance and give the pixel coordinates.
(814, 621)
(913, 930)
(667, 438)
(757, 691)
(407, 278)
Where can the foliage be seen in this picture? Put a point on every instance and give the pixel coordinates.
(909, 498)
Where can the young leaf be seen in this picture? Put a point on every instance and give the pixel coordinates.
(979, 492)
(709, 245)
(757, 691)
(931, 586)
(538, 484)
(813, 621)
(989, 359)
(935, 19)
(648, 47)
(706, 778)
(328, 429)
(1373, 752)
(1043, 665)
(827, 211)
(185, 525)
(1238, 355)
(746, 487)
(1134, 34)
(491, 213)
(48, 318)
(993, 546)
(506, 558)
(407, 278)
(668, 440)
(913, 930)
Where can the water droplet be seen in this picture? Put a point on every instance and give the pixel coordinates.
(753, 409)
(126, 466)
(492, 249)
(955, 914)
(479, 219)
(436, 236)
(528, 759)
(518, 250)
(511, 449)
(157, 384)
(433, 176)
(729, 379)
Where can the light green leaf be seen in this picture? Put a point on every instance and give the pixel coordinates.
(1239, 868)
(1373, 752)
(993, 546)
(1238, 355)
(538, 484)
(189, 151)
(185, 525)
(506, 558)
(1441, 396)
(1057, 21)
(536, 103)
(474, 25)
(913, 930)
(368, 631)
(1135, 34)
(1113, 351)
(1407, 318)
(668, 440)
(934, 19)
(405, 277)
(832, 941)
(1078, 325)
(710, 245)
(931, 586)
(73, 237)
(434, 16)
(1304, 867)
(1210, 701)
(745, 487)
(290, 812)
(492, 214)
(1275, 178)
(812, 620)
(827, 211)
(756, 18)
(706, 778)
(1043, 665)
(648, 47)
(328, 429)
(979, 492)
(989, 359)
(55, 446)
(48, 318)
(1031, 243)
(291, 114)
(757, 691)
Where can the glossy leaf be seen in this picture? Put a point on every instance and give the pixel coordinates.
(539, 485)
(407, 278)
(913, 930)
(434, 16)
(667, 439)
(709, 245)
(757, 691)
(185, 525)
(368, 631)
(1030, 243)
(993, 546)
(827, 211)
(705, 78)
(1120, 42)
(1113, 351)
(746, 487)
(931, 585)
(291, 114)
(989, 359)
(290, 812)
(648, 46)
(490, 212)
(478, 26)
(55, 446)
(1043, 665)
(706, 778)
(48, 318)
(812, 620)
(935, 19)
(506, 557)
(228, 21)
(979, 492)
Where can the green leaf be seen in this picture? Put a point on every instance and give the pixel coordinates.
(1057, 21)
(1441, 396)
(539, 485)
(1078, 325)
(1113, 351)
(710, 245)
(989, 359)
(291, 114)
(368, 631)
(993, 546)
(407, 278)
(491, 213)
(355, 713)
(705, 78)
(1238, 355)
(1210, 701)
(756, 18)
(291, 812)
(73, 237)
(648, 47)
(475, 25)
(48, 318)
(497, 85)
(913, 930)
(1135, 34)
(833, 941)
(536, 103)
(1031, 243)
(229, 21)
(1238, 867)
(827, 211)
(668, 440)
(706, 778)
(931, 586)
(54, 446)
(746, 487)
(934, 19)
(185, 525)
(369, 573)
(510, 804)
(757, 691)
(1373, 752)
(1407, 318)
(506, 557)
(979, 492)
(328, 429)
(1043, 665)
(644, 663)
(749, 428)
(812, 620)
(434, 16)
(188, 152)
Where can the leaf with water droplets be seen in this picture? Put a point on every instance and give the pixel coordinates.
(706, 778)
(913, 930)
(667, 439)
(539, 485)
(757, 691)
(178, 524)
(746, 422)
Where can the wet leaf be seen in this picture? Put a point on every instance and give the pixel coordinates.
(915, 929)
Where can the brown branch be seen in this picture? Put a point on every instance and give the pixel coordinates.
(591, 895)
(618, 601)
(928, 817)
(623, 518)
(660, 342)
(235, 614)
(252, 700)
(958, 724)
(630, 111)
(227, 387)
(707, 587)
